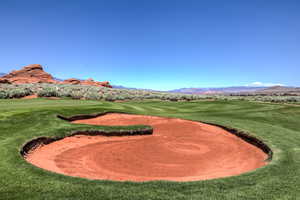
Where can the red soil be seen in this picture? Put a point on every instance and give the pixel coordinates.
(178, 150)
(33, 96)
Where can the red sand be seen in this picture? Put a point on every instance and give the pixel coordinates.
(33, 96)
(178, 150)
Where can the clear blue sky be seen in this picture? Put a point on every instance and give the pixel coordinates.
(158, 44)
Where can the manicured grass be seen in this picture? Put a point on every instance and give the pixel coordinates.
(277, 125)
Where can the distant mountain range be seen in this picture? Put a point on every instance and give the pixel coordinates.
(130, 88)
(122, 87)
(243, 90)
(2, 74)
(235, 90)
(219, 90)
(277, 90)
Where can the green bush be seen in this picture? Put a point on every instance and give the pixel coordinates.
(4, 94)
(48, 92)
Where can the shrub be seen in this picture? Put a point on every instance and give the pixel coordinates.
(93, 95)
(4, 94)
(48, 92)
(18, 92)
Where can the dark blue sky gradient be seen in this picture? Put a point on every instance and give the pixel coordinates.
(158, 44)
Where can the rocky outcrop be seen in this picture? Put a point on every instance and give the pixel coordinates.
(4, 81)
(89, 81)
(35, 74)
(29, 74)
(72, 81)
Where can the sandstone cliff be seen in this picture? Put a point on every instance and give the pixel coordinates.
(35, 74)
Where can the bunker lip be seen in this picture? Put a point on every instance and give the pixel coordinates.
(178, 150)
(35, 143)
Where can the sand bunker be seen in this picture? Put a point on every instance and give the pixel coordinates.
(178, 150)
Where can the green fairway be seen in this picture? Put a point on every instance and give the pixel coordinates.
(277, 125)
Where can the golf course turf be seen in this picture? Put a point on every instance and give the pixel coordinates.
(276, 125)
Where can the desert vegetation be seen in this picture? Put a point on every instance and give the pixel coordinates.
(10, 91)
(87, 92)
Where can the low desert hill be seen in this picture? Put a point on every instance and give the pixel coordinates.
(280, 90)
(272, 91)
(220, 90)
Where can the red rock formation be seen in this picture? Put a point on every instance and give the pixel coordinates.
(5, 81)
(29, 74)
(35, 74)
(89, 81)
(72, 81)
(105, 84)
